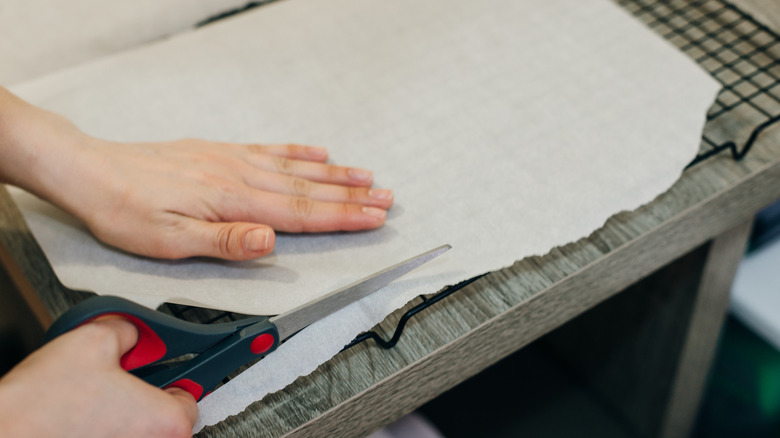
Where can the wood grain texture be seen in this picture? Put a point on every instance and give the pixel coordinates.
(23, 258)
(645, 351)
(626, 350)
(18, 284)
(701, 334)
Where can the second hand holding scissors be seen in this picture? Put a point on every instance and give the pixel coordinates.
(221, 348)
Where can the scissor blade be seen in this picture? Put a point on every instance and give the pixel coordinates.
(293, 321)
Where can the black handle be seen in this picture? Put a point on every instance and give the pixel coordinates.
(160, 336)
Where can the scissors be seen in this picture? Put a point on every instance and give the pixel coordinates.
(220, 348)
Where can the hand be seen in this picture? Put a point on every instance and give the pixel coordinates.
(74, 387)
(183, 198)
(194, 197)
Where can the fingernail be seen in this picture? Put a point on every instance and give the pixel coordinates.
(380, 194)
(360, 174)
(176, 389)
(317, 152)
(257, 239)
(375, 212)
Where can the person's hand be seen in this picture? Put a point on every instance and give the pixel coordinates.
(194, 197)
(74, 387)
(183, 198)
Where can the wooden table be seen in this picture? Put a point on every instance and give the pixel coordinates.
(643, 345)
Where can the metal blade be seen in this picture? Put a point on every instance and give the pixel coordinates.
(293, 321)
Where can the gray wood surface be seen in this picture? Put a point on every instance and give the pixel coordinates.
(700, 335)
(366, 387)
(645, 352)
(626, 349)
(30, 272)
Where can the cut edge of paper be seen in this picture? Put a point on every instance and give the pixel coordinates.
(209, 419)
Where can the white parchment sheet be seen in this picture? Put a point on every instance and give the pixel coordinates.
(505, 128)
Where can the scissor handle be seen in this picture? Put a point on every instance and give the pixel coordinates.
(160, 336)
(201, 374)
(224, 347)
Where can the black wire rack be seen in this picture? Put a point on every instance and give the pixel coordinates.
(737, 50)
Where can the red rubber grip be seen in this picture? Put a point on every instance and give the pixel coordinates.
(147, 349)
(262, 343)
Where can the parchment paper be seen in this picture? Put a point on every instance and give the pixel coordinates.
(504, 127)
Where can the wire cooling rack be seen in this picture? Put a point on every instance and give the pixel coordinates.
(738, 51)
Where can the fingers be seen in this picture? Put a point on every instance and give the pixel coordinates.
(125, 332)
(294, 151)
(305, 215)
(311, 170)
(224, 240)
(249, 239)
(186, 402)
(301, 187)
(176, 410)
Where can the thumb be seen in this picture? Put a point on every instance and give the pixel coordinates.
(226, 240)
(125, 332)
(186, 403)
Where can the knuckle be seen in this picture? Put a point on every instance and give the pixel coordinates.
(97, 333)
(256, 148)
(283, 165)
(354, 194)
(100, 337)
(301, 209)
(227, 191)
(296, 149)
(162, 243)
(335, 172)
(346, 210)
(228, 240)
(300, 187)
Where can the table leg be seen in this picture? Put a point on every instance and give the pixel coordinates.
(646, 352)
(701, 336)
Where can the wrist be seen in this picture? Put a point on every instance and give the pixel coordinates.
(41, 151)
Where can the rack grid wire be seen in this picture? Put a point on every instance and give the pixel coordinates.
(738, 51)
